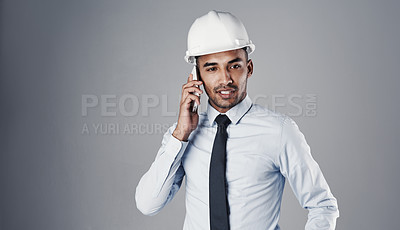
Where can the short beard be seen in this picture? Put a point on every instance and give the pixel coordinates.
(215, 101)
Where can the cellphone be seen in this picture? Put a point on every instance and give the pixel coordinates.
(195, 105)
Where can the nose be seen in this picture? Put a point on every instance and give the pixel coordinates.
(225, 77)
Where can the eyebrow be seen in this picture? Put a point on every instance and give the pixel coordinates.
(209, 64)
(229, 62)
(235, 60)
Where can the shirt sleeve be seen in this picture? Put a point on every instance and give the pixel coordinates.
(160, 183)
(306, 179)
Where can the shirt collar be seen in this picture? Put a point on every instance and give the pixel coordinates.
(234, 114)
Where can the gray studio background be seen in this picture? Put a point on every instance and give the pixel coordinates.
(54, 175)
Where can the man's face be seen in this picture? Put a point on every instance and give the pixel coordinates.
(225, 76)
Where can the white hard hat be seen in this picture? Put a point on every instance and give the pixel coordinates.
(216, 32)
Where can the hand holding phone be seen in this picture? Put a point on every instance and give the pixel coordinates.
(188, 117)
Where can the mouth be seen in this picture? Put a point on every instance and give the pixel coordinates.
(226, 93)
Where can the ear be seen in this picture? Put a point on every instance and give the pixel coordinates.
(249, 68)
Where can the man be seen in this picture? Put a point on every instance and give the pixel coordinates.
(237, 154)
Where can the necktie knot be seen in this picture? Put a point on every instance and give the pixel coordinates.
(223, 120)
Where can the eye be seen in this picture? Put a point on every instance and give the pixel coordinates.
(235, 66)
(212, 69)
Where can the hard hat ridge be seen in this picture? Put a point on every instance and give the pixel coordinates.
(216, 32)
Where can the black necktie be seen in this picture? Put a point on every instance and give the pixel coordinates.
(219, 207)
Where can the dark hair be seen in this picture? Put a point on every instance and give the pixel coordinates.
(247, 55)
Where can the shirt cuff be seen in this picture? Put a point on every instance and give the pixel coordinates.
(175, 148)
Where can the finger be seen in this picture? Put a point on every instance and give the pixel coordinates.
(190, 97)
(192, 83)
(188, 103)
(189, 85)
(192, 90)
(186, 94)
(190, 78)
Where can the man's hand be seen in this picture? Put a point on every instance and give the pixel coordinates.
(188, 120)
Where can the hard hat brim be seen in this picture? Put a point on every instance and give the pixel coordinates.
(191, 58)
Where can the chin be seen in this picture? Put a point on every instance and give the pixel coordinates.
(226, 104)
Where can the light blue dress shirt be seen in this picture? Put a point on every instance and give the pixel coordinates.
(263, 148)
